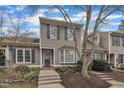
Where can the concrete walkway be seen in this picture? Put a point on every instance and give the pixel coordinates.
(49, 79)
(105, 77)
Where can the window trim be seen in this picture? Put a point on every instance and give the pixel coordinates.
(67, 32)
(95, 56)
(23, 49)
(116, 43)
(50, 32)
(123, 58)
(64, 56)
(122, 41)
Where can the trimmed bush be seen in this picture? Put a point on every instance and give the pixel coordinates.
(61, 69)
(32, 76)
(4, 85)
(22, 69)
(79, 66)
(100, 65)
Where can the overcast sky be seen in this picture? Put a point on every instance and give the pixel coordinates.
(75, 14)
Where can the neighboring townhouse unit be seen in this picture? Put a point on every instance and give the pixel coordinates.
(109, 46)
(57, 45)
(114, 43)
(25, 51)
(100, 52)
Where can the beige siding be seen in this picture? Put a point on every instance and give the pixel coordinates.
(45, 43)
(37, 56)
(104, 39)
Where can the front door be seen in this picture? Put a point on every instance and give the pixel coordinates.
(47, 56)
(2, 57)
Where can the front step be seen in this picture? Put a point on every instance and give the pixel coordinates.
(48, 82)
(49, 78)
(43, 76)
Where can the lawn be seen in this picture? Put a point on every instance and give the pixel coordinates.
(78, 81)
(73, 79)
(10, 74)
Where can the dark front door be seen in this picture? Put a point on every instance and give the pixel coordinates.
(47, 56)
(2, 57)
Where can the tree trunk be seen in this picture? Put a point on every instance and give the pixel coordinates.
(85, 70)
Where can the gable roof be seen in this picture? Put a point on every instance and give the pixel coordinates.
(58, 22)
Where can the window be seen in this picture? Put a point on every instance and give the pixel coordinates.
(20, 55)
(52, 32)
(115, 40)
(123, 41)
(120, 58)
(67, 56)
(96, 56)
(23, 55)
(27, 56)
(69, 34)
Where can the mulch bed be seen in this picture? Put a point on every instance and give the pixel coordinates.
(119, 76)
(76, 80)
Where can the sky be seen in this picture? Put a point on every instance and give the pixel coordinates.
(26, 14)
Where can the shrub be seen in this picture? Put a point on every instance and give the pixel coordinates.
(79, 65)
(99, 65)
(22, 69)
(32, 76)
(4, 85)
(61, 69)
(71, 69)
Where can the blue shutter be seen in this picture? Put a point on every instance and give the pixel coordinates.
(33, 56)
(14, 55)
(48, 31)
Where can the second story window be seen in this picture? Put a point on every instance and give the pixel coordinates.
(115, 41)
(52, 32)
(123, 41)
(69, 34)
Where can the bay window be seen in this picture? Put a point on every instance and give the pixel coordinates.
(67, 56)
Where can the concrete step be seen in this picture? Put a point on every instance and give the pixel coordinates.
(106, 78)
(103, 76)
(56, 85)
(49, 78)
(48, 82)
(43, 76)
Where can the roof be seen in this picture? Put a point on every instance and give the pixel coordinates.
(69, 47)
(20, 41)
(58, 22)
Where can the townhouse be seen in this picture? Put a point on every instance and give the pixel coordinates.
(57, 45)
(111, 45)
(25, 51)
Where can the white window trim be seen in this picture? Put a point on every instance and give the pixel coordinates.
(69, 29)
(50, 31)
(23, 55)
(64, 56)
(97, 54)
(123, 58)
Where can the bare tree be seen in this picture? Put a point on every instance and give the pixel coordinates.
(121, 25)
(100, 19)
